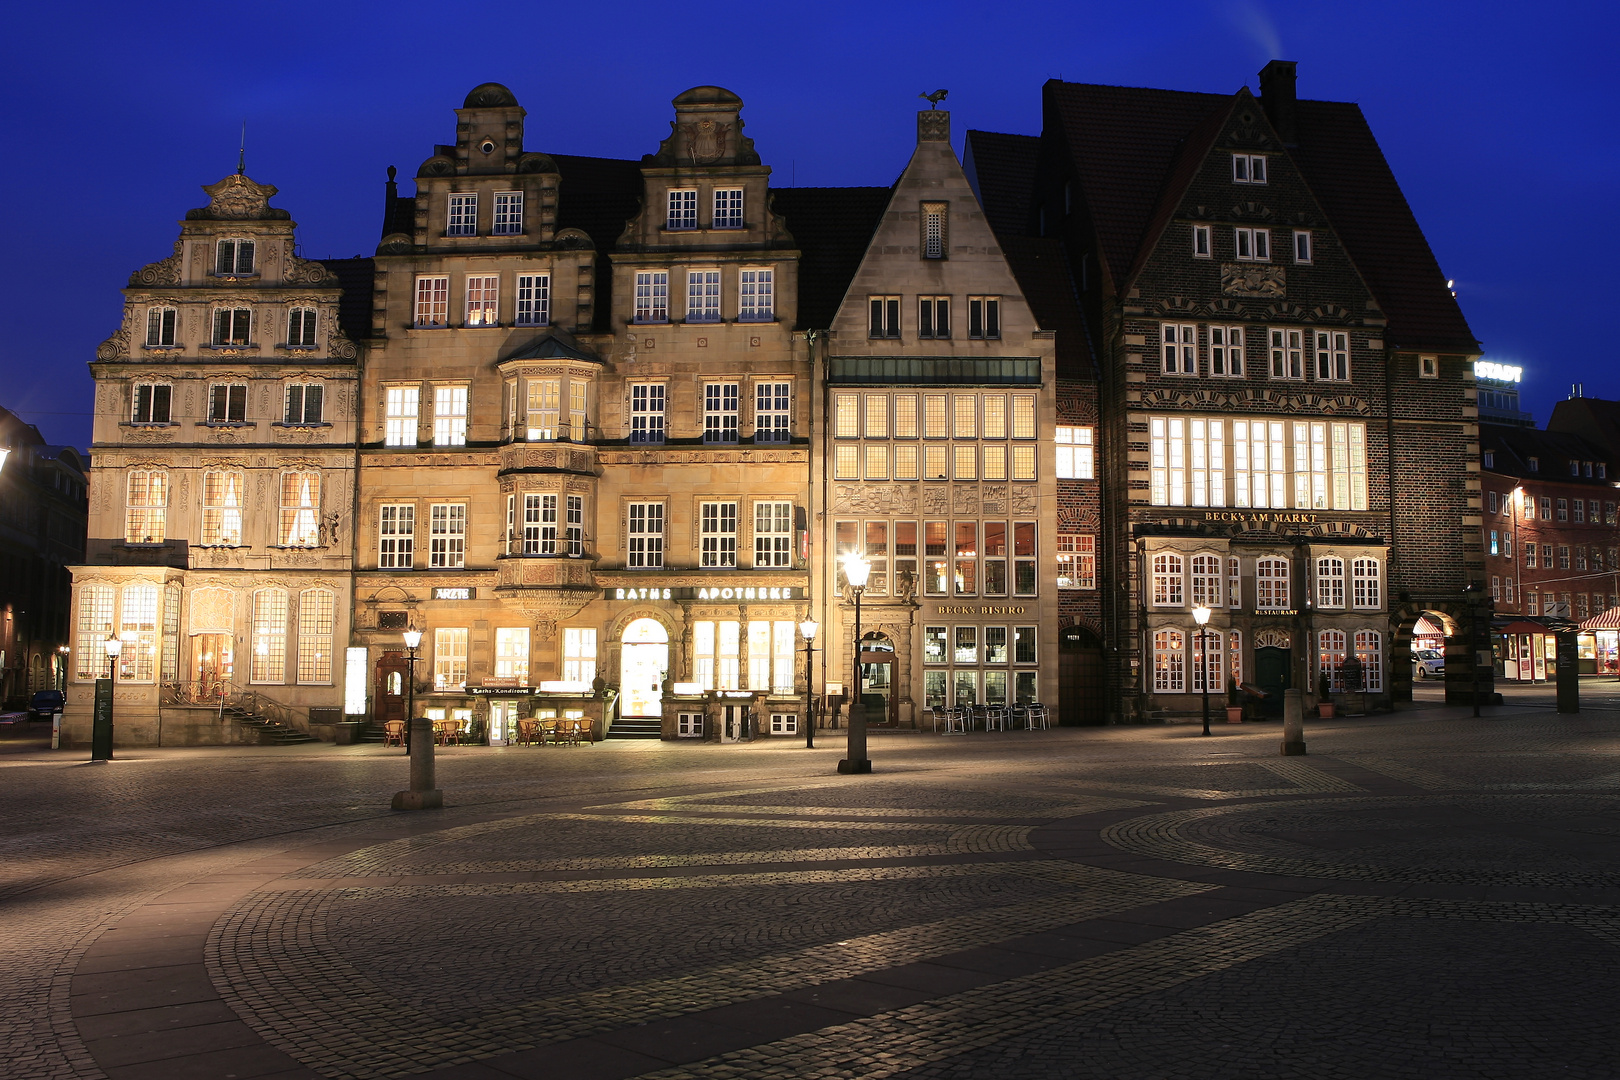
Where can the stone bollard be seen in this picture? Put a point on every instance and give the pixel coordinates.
(1293, 742)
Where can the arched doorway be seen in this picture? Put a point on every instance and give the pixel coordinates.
(643, 663)
(1273, 667)
(877, 680)
(389, 703)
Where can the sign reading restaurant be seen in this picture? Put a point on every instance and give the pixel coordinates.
(707, 592)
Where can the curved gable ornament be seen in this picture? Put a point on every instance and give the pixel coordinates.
(238, 198)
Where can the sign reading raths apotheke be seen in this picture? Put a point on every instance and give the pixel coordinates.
(707, 592)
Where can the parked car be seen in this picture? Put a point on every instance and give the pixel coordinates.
(1429, 664)
(44, 704)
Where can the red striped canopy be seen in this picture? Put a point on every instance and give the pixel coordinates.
(1609, 620)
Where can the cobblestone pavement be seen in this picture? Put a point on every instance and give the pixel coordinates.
(1426, 894)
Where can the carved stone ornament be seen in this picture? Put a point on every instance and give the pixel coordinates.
(149, 435)
(306, 272)
(994, 498)
(936, 500)
(965, 499)
(1251, 279)
(294, 434)
(1023, 500)
(237, 197)
(396, 244)
(164, 272)
(934, 125)
(1272, 639)
(706, 140)
(115, 347)
(874, 499)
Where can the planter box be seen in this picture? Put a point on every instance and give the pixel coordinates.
(1234, 714)
(1324, 710)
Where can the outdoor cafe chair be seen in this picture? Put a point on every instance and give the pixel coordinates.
(995, 718)
(394, 733)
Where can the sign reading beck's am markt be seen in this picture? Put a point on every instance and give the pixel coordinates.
(1259, 515)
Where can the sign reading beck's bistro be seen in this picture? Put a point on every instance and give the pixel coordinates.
(707, 592)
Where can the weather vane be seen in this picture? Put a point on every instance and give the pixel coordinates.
(935, 98)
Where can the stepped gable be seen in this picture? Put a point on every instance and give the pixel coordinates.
(832, 227)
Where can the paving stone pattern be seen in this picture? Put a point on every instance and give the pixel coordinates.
(1425, 895)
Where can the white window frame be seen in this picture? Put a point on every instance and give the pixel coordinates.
(1250, 244)
(1205, 573)
(508, 220)
(317, 623)
(1332, 355)
(222, 500)
(227, 403)
(1179, 352)
(1076, 560)
(533, 300)
(268, 659)
(703, 295)
(1330, 580)
(400, 408)
(1366, 581)
(773, 534)
(146, 506)
(302, 325)
(718, 533)
(1248, 168)
(644, 529)
(1076, 453)
(773, 412)
(1304, 249)
(1369, 649)
(721, 412)
(512, 653)
(1288, 347)
(1169, 661)
(1169, 570)
(1226, 352)
(756, 294)
(450, 658)
(447, 535)
(432, 301)
(156, 394)
(396, 536)
(233, 257)
(300, 501)
(728, 209)
(461, 214)
(1331, 650)
(574, 525)
(233, 328)
(651, 296)
(450, 415)
(1273, 584)
(481, 304)
(303, 404)
(649, 403)
(681, 212)
(162, 322)
(1202, 242)
(579, 654)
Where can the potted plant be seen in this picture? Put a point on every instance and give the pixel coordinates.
(1324, 702)
(1234, 703)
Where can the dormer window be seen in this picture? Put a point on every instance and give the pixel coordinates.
(508, 213)
(1574, 468)
(1490, 459)
(1586, 467)
(1248, 168)
(233, 258)
(1602, 471)
(934, 238)
(1534, 463)
(682, 209)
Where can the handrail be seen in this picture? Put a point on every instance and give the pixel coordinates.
(223, 693)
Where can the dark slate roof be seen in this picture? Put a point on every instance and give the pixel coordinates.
(399, 215)
(1133, 151)
(1595, 419)
(1349, 176)
(1122, 142)
(1001, 170)
(598, 196)
(358, 278)
(1513, 446)
(833, 227)
(555, 344)
(1042, 268)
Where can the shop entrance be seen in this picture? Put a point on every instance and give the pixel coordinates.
(503, 718)
(212, 659)
(389, 702)
(877, 681)
(1273, 673)
(734, 723)
(643, 661)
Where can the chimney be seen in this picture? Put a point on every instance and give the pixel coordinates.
(1277, 98)
(390, 193)
(933, 125)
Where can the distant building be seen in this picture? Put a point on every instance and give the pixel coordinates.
(1498, 388)
(42, 523)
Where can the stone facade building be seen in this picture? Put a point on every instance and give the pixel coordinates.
(222, 482)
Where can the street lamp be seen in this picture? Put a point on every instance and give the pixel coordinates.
(101, 725)
(808, 629)
(422, 795)
(856, 570)
(1201, 617)
(62, 666)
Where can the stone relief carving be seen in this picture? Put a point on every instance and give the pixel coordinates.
(163, 272)
(994, 498)
(115, 347)
(1252, 279)
(294, 435)
(1023, 500)
(238, 197)
(874, 499)
(965, 499)
(149, 435)
(1272, 639)
(338, 346)
(706, 140)
(936, 500)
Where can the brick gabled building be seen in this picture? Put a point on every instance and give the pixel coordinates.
(1286, 420)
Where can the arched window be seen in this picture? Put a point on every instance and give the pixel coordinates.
(1169, 662)
(146, 507)
(1167, 580)
(1330, 658)
(1330, 582)
(1206, 580)
(1370, 651)
(1271, 585)
(222, 507)
(1366, 587)
(317, 613)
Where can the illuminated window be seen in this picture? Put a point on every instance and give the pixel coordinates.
(652, 296)
(579, 654)
(222, 507)
(396, 536)
(317, 614)
(1076, 561)
(483, 304)
(399, 415)
(450, 416)
(512, 653)
(432, 301)
(269, 636)
(300, 509)
(450, 658)
(1168, 570)
(146, 506)
(1169, 662)
(1075, 460)
(95, 626)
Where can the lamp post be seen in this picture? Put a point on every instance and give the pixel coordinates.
(856, 570)
(101, 725)
(808, 629)
(422, 794)
(1201, 617)
(62, 652)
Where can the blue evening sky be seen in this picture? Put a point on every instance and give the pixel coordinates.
(1500, 120)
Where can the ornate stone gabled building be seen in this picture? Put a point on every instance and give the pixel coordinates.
(1287, 417)
(222, 483)
(584, 456)
(941, 397)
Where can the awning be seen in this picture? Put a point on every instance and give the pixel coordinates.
(1608, 620)
(1523, 626)
(1425, 628)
